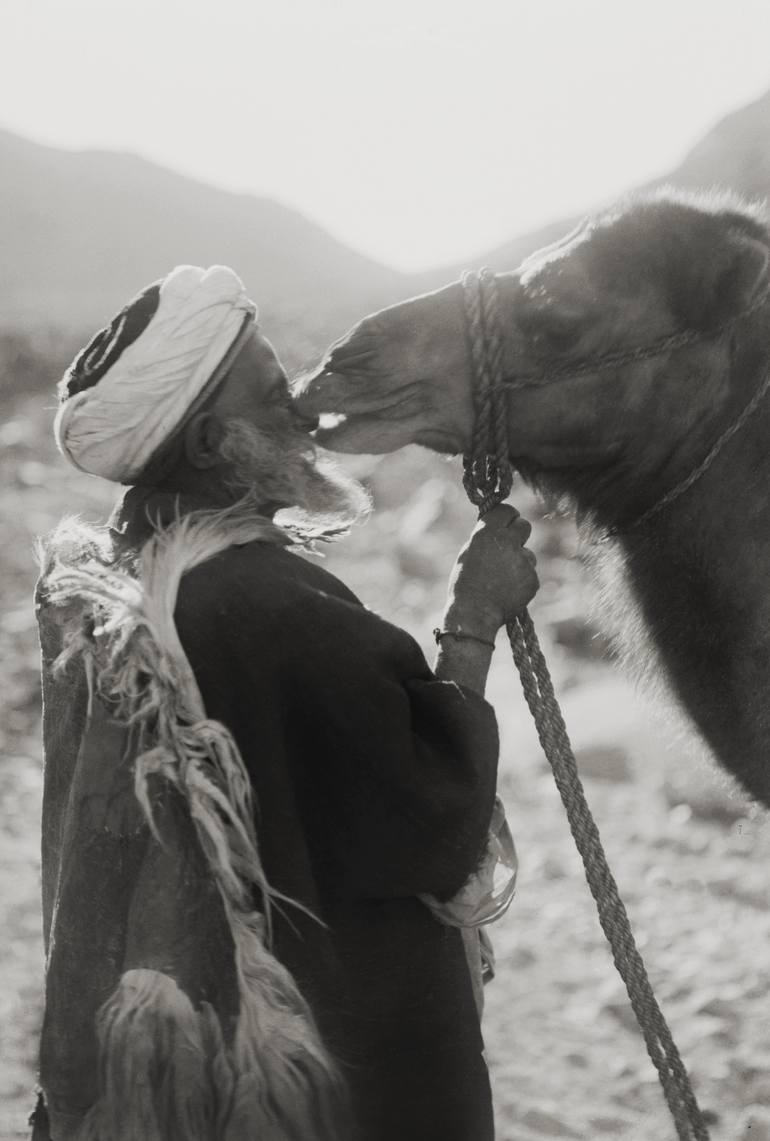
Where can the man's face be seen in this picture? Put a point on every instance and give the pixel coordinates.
(256, 390)
(266, 444)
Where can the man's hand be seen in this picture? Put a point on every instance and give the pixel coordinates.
(494, 577)
(492, 581)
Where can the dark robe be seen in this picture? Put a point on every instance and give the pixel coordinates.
(374, 782)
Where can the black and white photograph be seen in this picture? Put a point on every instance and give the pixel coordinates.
(384, 570)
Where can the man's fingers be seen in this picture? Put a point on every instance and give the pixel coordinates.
(501, 515)
(524, 528)
(505, 518)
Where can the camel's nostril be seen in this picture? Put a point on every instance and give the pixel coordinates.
(349, 358)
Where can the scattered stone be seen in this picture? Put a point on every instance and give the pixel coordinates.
(604, 762)
(754, 1124)
(548, 1125)
(615, 1126)
(418, 562)
(33, 474)
(579, 1061)
(619, 1067)
(19, 621)
(15, 433)
(709, 794)
(721, 1006)
(519, 958)
(758, 1089)
(680, 814)
(729, 888)
(553, 868)
(622, 1011)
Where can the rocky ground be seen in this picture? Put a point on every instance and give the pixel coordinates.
(690, 855)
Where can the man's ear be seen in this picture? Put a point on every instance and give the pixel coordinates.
(202, 437)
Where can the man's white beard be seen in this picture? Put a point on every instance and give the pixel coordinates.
(289, 473)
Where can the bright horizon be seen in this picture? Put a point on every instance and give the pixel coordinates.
(419, 135)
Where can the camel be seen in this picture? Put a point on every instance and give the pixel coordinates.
(665, 458)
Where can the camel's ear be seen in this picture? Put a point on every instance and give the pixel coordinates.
(735, 271)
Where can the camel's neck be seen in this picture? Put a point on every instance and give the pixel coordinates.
(700, 573)
(616, 442)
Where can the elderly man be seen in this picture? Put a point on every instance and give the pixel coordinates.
(263, 812)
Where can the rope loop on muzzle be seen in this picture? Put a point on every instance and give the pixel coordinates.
(487, 479)
(487, 472)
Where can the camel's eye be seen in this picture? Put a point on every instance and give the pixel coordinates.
(555, 334)
(560, 340)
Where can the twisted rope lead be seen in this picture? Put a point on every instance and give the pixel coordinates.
(488, 479)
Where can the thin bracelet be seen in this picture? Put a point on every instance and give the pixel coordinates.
(438, 634)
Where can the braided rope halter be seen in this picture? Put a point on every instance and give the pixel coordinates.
(487, 479)
(620, 358)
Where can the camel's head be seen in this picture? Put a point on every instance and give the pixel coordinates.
(399, 377)
(654, 266)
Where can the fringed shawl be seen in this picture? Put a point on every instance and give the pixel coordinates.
(168, 1069)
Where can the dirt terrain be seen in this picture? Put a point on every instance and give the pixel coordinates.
(689, 853)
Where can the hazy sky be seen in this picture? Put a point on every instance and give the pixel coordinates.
(419, 131)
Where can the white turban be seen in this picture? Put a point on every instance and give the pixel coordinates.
(114, 427)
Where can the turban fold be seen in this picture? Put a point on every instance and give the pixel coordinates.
(140, 378)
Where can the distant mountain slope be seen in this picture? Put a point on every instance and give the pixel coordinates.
(735, 154)
(81, 232)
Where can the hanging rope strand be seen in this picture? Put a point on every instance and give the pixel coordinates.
(612, 913)
(487, 479)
